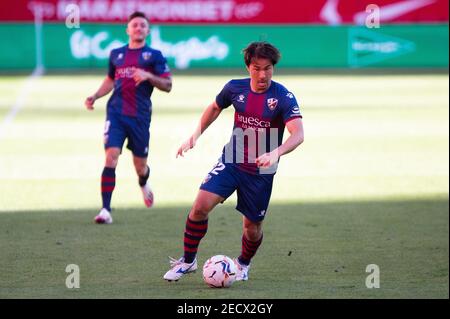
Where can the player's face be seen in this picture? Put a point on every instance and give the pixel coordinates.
(261, 71)
(138, 29)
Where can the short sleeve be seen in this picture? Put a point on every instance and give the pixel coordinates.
(291, 109)
(224, 99)
(111, 67)
(161, 68)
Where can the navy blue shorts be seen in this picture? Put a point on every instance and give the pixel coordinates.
(253, 191)
(120, 127)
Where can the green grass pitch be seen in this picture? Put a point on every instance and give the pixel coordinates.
(368, 186)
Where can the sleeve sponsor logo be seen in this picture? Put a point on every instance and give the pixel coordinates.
(295, 111)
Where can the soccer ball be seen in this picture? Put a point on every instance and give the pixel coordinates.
(219, 271)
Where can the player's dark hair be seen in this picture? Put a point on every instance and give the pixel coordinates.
(261, 50)
(137, 14)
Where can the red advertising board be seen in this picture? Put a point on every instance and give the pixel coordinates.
(332, 12)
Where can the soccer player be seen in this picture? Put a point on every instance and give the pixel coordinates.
(134, 70)
(263, 108)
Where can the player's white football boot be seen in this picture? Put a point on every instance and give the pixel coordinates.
(104, 217)
(242, 271)
(179, 268)
(148, 195)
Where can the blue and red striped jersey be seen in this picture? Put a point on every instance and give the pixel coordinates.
(127, 98)
(259, 122)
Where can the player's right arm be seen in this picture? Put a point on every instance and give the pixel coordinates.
(105, 88)
(209, 116)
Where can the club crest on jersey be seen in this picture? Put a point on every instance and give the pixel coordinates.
(120, 56)
(241, 98)
(146, 55)
(272, 103)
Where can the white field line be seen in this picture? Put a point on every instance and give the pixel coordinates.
(20, 101)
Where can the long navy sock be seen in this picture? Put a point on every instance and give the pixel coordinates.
(193, 234)
(249, 249)
(107, 186)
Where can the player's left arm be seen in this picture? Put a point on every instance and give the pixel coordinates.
(160, 75)
(296, 137)
(160, 82)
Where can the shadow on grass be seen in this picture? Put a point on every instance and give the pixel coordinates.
(310, 250)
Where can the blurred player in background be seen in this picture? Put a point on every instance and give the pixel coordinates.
(134, 70)
(263, 108)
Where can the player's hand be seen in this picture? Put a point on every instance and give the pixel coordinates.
(186, 146)
(140, 76)
(267, 159)
(89, 103)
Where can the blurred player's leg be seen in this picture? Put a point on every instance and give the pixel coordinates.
(195, 230)
(108, 183)
(143, 172)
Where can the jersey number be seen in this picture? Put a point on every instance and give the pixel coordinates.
(219, 167)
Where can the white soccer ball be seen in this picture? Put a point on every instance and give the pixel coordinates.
(219, 271)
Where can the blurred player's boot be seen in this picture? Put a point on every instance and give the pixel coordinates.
(179, 268)
(104, 217)
(242, 271)
(148, 195)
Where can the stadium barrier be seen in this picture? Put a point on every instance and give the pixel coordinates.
(219, 46)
